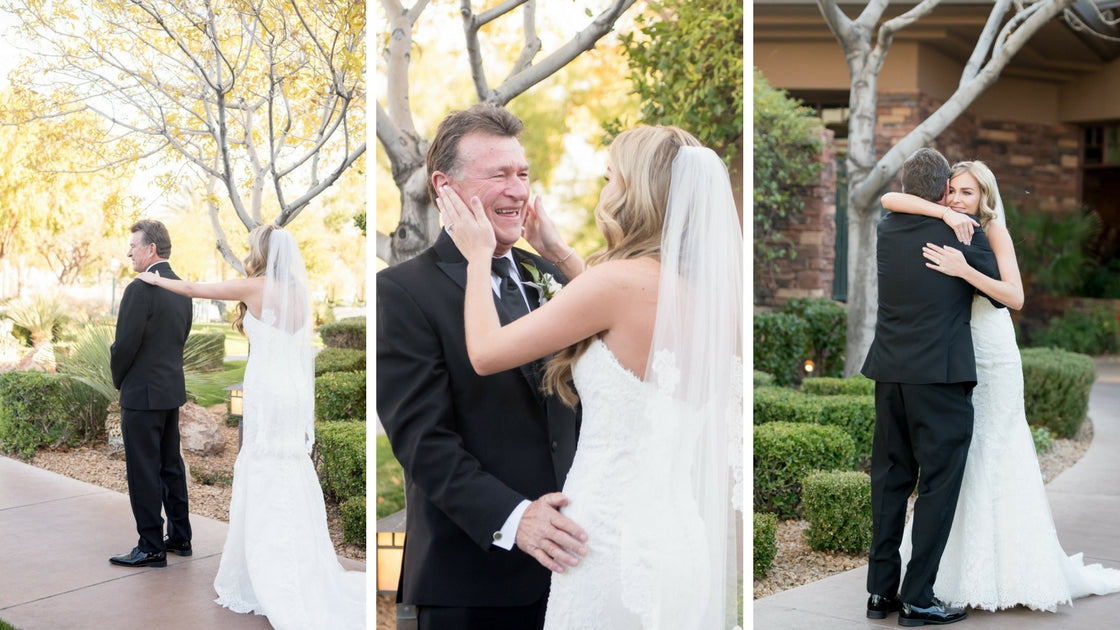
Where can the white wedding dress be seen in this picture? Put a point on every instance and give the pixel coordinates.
(627, 491)
(1003, 550)
(278, 558)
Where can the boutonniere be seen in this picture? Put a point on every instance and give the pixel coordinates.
(546, 283)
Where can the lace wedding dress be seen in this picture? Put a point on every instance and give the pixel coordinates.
(1003, 550)
(648, 565)
(278, 558)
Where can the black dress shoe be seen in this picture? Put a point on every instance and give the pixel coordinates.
(181, 548)
(137, 558)
(936, 614)
(879, 606)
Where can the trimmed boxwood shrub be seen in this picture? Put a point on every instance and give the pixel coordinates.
(832, 386)
(1093, 333)
(765, 542)
(339, 360)
(784, 452)
(780, 340)
(827, 328)
(837, 505)
(762, 379)
(204, 352)
(352, 511)
(43, 409)
(855, 414)
(340, 459)
(1056, 387)
(345, 333)
(340, 396)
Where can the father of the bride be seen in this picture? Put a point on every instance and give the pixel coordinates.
(924, 369)
(483, 457)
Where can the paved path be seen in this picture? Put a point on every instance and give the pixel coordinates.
(56, 536)
(1085, 501)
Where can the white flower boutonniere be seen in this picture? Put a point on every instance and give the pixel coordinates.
(546, 283)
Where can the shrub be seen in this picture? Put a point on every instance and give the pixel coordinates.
(345, 333)
(765, 542)
(762, 379)
(837, 505)
(352, 511)
(780, 340)
(390, 480)
(784, 452)
(1056, 387)
(40, 408)
(1092, 333)
(855, 414)
(339, 360)
(832, 386)
(340, 459)
(340, 396)
(88, 359)
(204, 352)
(827, 331)
(1042, 439)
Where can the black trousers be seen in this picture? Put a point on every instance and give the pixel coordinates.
(529, 617)
(922, 435)
(156, 476)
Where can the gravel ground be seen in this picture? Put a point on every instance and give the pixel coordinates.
(796, 564)
(102, 466)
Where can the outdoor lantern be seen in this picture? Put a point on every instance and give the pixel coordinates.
(808, 366)
(236, 409)
(390, 552)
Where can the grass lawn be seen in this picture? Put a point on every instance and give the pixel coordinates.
(236, 343)
(390, 480)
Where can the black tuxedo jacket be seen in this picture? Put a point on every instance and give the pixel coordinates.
(472, 447)
(146, 357)
(922, 333)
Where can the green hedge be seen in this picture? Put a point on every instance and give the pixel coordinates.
(340, 459)
(837, 505)
(785, 452)
(345, 333)
(339, 360)
(762, 379)
(854, 414)
(779, 345)
(832, 386)
(1056, 387)
(1094, 332)
(340, 396)
(390, 480)
(204, 352)
(765, 542)
(42, 409)
(352, 511)
(827, 329)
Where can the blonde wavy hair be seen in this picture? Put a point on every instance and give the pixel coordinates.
(641, 166)
(986, 209)
(256, 263)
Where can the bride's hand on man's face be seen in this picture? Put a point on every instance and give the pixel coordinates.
(948, 260)
(468, 226)
(541, 232)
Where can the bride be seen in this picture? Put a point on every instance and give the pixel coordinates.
(278, 558)
(651, 334)
(1003, 550)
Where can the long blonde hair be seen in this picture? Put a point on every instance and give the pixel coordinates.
(986, 209)
(631, 221)
(256, 263)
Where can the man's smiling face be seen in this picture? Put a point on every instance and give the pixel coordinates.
(494, 169)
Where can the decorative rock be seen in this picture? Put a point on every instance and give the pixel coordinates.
(198, 430)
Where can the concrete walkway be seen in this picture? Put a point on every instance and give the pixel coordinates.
(56, 536)
(1085, 501)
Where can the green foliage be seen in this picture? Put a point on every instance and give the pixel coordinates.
(340, 459)
(42, 409)
(1102, 281)
(208, 477)
(853, 413)
(780, 340)
(1051, 247)
(837, 505)
(828, 333)
(352, 511)
(339, 360)
(1042, 439)
(41, 316)
(345, 333)
(765, 542)
(686, 66)
(1094, 333)
(785, 452)
(786, 151)
(204, 352)
(390, 480)
(762, 379)
(832, 386)
(87, 359)
(1056, 387)
(340, 396)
